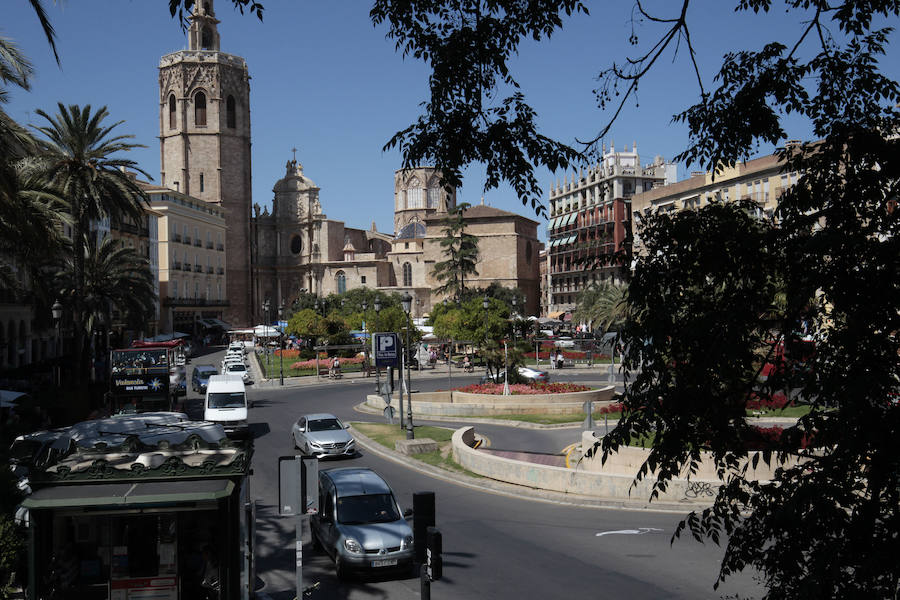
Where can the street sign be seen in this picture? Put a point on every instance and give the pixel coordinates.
(387, 349)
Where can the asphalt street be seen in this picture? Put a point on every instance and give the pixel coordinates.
(495, 546)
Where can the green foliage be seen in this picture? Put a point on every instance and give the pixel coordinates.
(461, 250)
(468, 46)
(470, 321)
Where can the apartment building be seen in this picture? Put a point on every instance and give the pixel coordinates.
(191, 262)
(760, 180)
(590, 218)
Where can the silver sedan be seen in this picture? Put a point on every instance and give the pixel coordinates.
(322, 435)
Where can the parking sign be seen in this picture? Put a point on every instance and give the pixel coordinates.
(386, 350)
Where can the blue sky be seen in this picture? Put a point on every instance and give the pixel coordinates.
(326, 81)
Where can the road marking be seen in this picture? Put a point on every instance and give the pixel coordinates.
(638, 531)
(568, 452)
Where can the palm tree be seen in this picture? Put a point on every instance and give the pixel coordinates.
(80, 160)
(115, 276)
(604, 305)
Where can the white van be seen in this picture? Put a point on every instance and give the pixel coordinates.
(226, 403)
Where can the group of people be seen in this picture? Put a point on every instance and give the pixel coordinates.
(556, 359)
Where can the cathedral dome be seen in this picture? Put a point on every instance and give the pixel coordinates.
(294, 180)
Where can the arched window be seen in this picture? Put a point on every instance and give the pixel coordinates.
(230, 118)
(172, 111)
(341, 282)
(407, 275)
(296, 244)
(200, 109)
(434, 197)
(414, 195)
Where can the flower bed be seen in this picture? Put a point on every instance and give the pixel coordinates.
(496, 389)
(776, 402)
(323, 362)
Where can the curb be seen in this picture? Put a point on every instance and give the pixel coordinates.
(516, 491)
(363, 409)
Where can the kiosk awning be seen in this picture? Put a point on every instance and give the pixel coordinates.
(127, 494)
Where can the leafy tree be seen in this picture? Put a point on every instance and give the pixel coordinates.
(306, 323)
(81, 162)
(602, 304)
(461, 250)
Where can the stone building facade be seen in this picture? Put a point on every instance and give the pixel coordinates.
(204, 133)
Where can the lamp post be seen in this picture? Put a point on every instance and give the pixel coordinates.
(515, 333)
(57, 310)
(406, 301)
(375, 352)
(265, 307)
(365, 307)
(484, 304)
(281, 342)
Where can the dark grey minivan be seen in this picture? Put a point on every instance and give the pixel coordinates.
(359, 523)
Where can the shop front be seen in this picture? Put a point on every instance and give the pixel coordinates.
(157, 518)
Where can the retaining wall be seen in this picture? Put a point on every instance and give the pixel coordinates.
(463, 404)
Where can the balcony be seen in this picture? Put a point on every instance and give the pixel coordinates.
(209, 270)
(220, 270)
(209, 245)
(198, 243)
(177, 265)
(220, 247)
(176, 238)
(187, 240)
(198, 268)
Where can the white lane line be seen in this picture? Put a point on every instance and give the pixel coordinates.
(639, 531)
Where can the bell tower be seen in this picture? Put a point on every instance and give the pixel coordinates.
(204, 142)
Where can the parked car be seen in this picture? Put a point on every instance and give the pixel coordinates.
(526, 373)
(237, 369)
(200, 377)
(322, 435)
(360, 524)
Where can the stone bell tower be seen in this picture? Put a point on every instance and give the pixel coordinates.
(204, 142)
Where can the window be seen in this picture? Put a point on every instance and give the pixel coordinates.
(230, 118)
(172, 111)
(201, 182)
(434, 197)
(414, 196)
(200, 109)
(362, 279)
(218, 291)
(174, 288)
(407, 275)
(206, 39)
(296, 244)
(341, 282)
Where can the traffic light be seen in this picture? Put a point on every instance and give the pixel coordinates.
(433, 549)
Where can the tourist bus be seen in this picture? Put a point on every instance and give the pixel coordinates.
(147, 377)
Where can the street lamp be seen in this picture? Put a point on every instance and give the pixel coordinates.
(484, 304)
(406, 301)
(515, 333)
(57, 310)
(281, 341)
(375, 352)
(265, 307)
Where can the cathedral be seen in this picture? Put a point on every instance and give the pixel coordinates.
(204, 123)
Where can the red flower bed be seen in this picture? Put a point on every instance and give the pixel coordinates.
(766, 438)
(615, 407)
(777, 401)
(311, 363)
(522, 388)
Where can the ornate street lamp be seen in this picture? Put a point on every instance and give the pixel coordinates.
(375, 353)
(281, 342)
(485, 303)
(406, 301)
(57, 311)
(515, 333)
(265, 307)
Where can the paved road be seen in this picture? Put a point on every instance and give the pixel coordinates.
(494, 546)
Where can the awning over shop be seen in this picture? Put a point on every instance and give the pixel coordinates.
(556, 314)
(206, 323)
(129, 494)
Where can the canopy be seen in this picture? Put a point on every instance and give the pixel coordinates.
(265, 331)
(165, 337)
